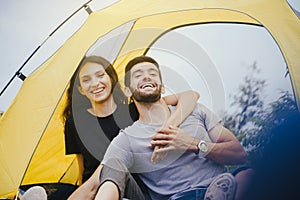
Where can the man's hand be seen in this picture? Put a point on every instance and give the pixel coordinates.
(156, 156)
(168, 139)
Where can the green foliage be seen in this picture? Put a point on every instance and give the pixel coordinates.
(248, 105)
(253, 119)
(261, 134)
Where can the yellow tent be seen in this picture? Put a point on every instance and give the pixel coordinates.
(31, 130)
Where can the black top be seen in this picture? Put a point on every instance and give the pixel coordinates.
(90, 136)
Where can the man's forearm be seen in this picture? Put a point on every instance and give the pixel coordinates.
(226, 153)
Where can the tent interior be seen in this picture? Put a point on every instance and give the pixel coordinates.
(229, 52)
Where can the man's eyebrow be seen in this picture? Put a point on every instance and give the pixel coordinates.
(137, 71)
(153, 69)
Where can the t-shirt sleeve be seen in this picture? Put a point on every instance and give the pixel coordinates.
(119, 149)
(71, 145)
(209, 118)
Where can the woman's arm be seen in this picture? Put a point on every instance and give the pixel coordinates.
(88, 189)
(80, 167)
(185, 103)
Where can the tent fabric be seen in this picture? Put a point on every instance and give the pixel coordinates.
(31, 130)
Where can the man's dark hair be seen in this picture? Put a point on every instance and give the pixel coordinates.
(137, 60)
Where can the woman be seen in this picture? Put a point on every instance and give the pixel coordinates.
(97, 109)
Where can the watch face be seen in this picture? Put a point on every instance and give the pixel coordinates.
(203, 146)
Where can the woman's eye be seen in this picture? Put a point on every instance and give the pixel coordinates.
(100, 75)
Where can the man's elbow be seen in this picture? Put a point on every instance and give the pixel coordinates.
(241, 156)
(196, 94)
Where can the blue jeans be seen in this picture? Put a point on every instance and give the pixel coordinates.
(194, 194)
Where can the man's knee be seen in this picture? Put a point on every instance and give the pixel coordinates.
(108, 190)
(113, 173)
(116, 173)
(116, 164)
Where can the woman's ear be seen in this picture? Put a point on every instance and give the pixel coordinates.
(127, 92)
(79, 88)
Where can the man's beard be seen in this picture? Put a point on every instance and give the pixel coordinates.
(147, 98)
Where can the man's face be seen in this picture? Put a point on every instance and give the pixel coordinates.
(145, 82)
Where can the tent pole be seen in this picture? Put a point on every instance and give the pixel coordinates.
(19, 73)
(17, 195)
(87, 9)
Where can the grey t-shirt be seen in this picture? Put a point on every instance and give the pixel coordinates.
(179, 170)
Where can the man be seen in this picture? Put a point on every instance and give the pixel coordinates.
(194, 154)
(90, 127)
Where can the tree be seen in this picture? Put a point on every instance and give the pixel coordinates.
(260, 136)
(253, 118)
(248, 105)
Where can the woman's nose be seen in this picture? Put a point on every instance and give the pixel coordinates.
(95, 81)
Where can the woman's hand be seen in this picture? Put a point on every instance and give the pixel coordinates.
(168, 139)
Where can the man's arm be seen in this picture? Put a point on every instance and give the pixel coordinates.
(224, 148)
(188, 101)
(117, 150)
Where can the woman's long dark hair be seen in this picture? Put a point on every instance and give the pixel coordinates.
(75, 100)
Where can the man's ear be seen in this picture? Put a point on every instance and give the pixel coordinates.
(127, 92)
(163, 90)
(79, 88)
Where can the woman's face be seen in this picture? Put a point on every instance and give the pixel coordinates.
(95, 83)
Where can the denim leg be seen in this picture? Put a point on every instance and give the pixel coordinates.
(194, 194)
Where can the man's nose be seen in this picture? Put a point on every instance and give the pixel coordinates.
(147, 78)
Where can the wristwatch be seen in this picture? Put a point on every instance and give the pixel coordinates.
(202, 146)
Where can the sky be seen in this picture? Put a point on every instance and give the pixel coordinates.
(24, 25)
(220, 62)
